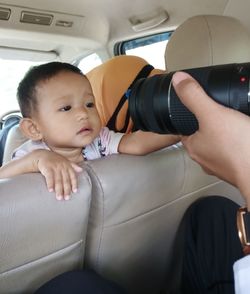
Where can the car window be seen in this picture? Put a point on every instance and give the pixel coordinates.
(89, 62)
(11, 73)
(151, 48)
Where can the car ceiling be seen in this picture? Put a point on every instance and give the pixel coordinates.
(103, 22)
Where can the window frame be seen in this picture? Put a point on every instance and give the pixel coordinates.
(120, 47)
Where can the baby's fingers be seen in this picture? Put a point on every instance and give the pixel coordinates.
(62, 180)
(73, 180)
(66, 183)
(76, 167)
(59, 189)
(49, 178)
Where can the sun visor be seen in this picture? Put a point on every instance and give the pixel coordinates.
(22, 54)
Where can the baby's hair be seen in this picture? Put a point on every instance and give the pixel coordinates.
(26, 91)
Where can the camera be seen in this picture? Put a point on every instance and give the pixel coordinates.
(154, 105)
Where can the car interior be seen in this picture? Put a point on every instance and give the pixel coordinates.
(123, 220)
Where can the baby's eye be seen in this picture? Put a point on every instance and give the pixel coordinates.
(65, 108)
(90, 104)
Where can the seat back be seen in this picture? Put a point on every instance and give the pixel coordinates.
(205, 40)
(110, 81)
(14, 139)
(40, 237)
(6, 126)
(137, 204)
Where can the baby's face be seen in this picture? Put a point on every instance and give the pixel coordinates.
(67, 116)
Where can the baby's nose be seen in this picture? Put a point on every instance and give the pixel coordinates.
(82, 114)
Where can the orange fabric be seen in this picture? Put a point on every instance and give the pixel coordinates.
(111, 80)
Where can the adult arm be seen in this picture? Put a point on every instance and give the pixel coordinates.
(222, 147)
(222, 143)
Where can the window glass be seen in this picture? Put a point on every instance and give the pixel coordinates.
(89, 62)
(151, 48)
(11, 73)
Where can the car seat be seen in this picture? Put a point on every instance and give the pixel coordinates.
(205, 40)
(5, 126)
(110, 81)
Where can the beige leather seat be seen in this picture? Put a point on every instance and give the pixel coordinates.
(205, 40)
(14, 139)
(110, 81)
(40, 237)
(135, 212)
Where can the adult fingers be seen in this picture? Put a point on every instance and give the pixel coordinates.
(192, 94)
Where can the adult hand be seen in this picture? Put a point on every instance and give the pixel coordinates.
(222, 143)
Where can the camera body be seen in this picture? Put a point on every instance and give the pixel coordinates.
(154, 105)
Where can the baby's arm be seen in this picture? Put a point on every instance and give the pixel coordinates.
(141, 143)
(59, 172)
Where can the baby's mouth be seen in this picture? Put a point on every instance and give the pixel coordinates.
(84, 130)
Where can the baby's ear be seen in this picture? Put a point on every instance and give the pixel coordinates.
(30, 129)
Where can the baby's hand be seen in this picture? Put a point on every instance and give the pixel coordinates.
(59, 173)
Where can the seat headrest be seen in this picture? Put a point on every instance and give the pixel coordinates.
(14, 139)
(110, 81)
(205, 40)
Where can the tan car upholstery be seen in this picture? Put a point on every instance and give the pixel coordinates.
(205, 40)
(14, 139)
(136, 205)
(40, 237)
(111, 80)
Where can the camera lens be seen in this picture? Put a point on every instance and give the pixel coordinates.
(154, 105)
